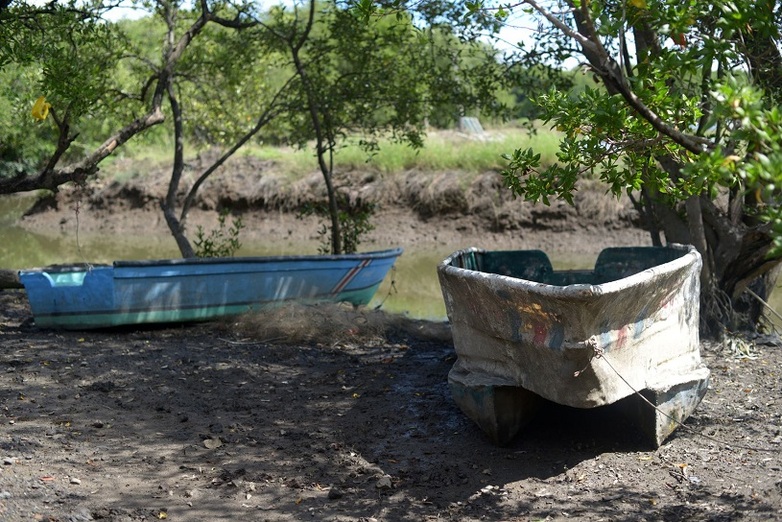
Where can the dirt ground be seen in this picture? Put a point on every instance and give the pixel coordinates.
(220, 421)
(205, 422)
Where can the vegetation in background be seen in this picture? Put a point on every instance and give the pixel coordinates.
(685, 122)
(67, 55)
(442, 150)
(370, 79)
(452, 151)
(222, 241)
(214, 76)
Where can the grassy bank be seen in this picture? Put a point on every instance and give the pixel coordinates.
(442, 151)
(453, 174)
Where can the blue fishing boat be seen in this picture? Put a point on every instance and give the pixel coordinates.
(182, 290)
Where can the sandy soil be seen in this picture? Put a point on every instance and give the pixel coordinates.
(220, 422)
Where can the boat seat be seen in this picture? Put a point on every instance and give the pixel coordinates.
(618, 262)
(533, 265)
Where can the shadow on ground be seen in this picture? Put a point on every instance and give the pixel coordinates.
(198, 423)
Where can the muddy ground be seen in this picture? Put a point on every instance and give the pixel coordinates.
(226, 421)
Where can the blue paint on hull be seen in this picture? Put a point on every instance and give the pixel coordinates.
(177, 290)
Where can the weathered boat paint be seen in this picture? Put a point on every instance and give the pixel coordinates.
(586, 338)
(179, 290)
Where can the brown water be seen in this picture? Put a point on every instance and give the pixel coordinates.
(411, 288)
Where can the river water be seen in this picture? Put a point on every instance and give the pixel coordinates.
(411, 288)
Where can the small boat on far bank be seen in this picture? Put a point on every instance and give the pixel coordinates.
(183, 290)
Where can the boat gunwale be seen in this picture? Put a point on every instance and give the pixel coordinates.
(380, 254)
(577, 291)
(142, 263)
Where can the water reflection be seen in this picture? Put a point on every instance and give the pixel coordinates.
(13, 207)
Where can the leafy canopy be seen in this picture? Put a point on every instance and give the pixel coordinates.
(690, 93)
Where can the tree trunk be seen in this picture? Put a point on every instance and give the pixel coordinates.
(176, 225)
(336, 228)
(735, 262)
(324, 138)
(177, 230)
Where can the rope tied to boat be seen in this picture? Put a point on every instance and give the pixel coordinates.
(391, 288)
(599, 353)
(77, 211)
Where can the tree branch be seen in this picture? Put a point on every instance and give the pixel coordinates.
(613, 77)
(269, 114)
(51, 178)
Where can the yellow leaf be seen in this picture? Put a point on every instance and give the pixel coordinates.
(41, 108)
(638, 4)
(162, 515)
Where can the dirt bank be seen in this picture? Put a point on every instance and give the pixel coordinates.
(414, 208)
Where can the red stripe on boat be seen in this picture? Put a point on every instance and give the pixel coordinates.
(347, 278)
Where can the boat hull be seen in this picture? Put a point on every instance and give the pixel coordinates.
(577, 338)
(182, 290)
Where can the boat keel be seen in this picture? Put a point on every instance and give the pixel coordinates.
(500, 410)
(659, 409)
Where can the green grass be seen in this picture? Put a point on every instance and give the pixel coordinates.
(442, 151)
